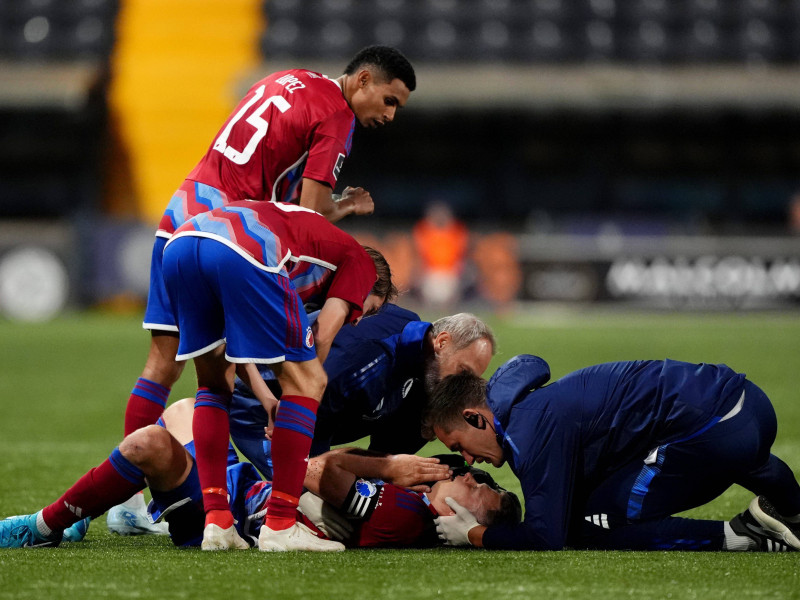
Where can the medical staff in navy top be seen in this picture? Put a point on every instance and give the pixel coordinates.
(608, 454)
(379, 375)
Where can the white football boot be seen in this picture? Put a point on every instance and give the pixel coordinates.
(217, 538)
(296, 537)
(131, 518)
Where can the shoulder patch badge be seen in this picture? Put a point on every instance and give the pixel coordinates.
(309, 338)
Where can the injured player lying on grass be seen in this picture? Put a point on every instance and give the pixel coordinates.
(370, 500)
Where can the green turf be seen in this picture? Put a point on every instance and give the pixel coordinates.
(63, 388)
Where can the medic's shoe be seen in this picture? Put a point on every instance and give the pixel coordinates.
(76, 532)
(296, 537)
(21, 532)
(771, 520)
(217, 538)
(131, 518)
(766, 540)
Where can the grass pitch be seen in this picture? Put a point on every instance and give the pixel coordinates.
(63, 389)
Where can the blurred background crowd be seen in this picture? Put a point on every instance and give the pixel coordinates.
(563, 151)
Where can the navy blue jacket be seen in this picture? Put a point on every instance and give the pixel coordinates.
(563, 439)
(375, 386)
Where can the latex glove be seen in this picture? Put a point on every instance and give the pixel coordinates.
(454, 530)
(333, 523)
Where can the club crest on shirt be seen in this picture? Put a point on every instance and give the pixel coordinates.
(365, 488)
(309, 338)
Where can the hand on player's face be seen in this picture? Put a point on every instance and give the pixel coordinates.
(467, 492)
(414, 472)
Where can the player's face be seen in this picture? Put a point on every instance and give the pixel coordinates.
(475, 497)
(475, 445)
(473, 359)
(375, 102)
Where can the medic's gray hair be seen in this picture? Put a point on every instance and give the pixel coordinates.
(464, 329)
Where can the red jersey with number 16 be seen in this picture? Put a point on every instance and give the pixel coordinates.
(290, 125)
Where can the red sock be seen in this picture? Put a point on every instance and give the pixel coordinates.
(211, 430)
(145, 405)
(291, 442)
(107, 485)
(222, 518)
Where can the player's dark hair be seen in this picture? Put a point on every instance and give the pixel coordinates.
(509, 513)
(388, 61)
(384, 286)
(448, 400)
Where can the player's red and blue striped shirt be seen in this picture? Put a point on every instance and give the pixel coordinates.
(290, 125)
(322, 260)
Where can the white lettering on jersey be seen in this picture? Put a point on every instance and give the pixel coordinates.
(291, 83)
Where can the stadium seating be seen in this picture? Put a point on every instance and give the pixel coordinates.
(435, 34)
(53, 64)
(46, 30)
(540, 31)
(609, 106)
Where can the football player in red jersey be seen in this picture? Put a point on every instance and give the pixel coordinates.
(383, 514)
(285, 141)
(374, 511)
(237, 278)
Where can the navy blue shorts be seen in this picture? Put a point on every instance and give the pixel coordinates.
(692, 471)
